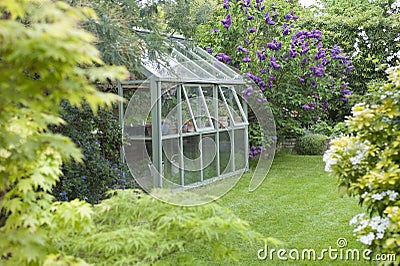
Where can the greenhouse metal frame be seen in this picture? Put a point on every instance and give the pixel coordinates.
(194, 109)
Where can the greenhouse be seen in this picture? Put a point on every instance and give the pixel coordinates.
(186, 124)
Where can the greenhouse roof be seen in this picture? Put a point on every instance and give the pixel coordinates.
(188, 62)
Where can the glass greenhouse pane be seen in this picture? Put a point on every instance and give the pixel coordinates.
(168, 67)
(191, 160)
(236, 112)
(187, 114)
(240, 149)
(209, 156)
(208, 92)
(169, 108)
(224, 120)
(231, 74)
(189, 52)
(171, 159)
(192, 65)
(198, 108)
(225, 152)
(135, 119)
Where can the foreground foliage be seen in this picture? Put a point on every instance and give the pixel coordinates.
(135, 228)
(45, 58)
(368, 165)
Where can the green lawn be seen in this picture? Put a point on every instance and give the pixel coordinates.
(297, 203)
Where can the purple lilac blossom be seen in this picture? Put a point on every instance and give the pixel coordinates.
(318, 71)
(247, 92)
(309, 106)
(301, 80)
(215, 30)
(286, 31)
(273, 63)
(313, 84)
(349, 68)
(320, 54)
(209, 50)
(305, 48)
(261, 56)
(292, 53)
(345, 59)
(274, 45)
(227, 22)
(262, 86)
(325, 106)
(242, 49)
(250, 17)
(345, 92)
(254, 151)
(268, 19)
(290, 16)
(224, 58)
(261, 100)
(251, 30)
(335, 51)
(246, 2)
(246, 59)
(255, 78)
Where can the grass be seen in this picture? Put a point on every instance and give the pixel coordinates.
(297, 203)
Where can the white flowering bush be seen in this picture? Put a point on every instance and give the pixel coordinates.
(366, 165)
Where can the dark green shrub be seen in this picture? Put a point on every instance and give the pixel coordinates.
(312, 144)
(99, 138)
(321, 127)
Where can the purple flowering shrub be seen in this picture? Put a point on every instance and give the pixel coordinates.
(302, 80)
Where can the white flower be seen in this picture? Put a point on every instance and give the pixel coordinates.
(367, 240)
(356, 219)
(364, 194)
(392, 195)
(379, 235)
(383, 225)
(384, 30)
(377, 196)
(362, 224)
(329, 161)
